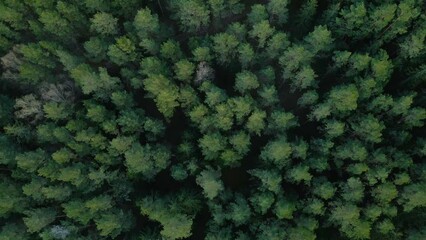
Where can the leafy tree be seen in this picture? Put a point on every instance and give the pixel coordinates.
(104, 23)
(224, 46)
(262, 201)
(174, 212)
(98, 204)
(241, 142)
(385, 192)
(28, 107)
(223, 117)
(413, 196)
(415, 117)
(353, 149)
(293, 58)
(171, 50)
(96, 49)
(319, 40)
(122, 51)
(353, 190)
(271, 180)
(300, 233)
(245, 81)
(164, 92)
(257, 14)
(351, 19)
(177, 227)
(223, 9)
(271, 230)
(184, 70)
(146, 23)
(178, 172)
(241, 106)
(269, 95)
(256, 122)
(304, 78)
(31, 161)
(261, 32)
(277, 152)
(246, 55)
(52, 22)
(12, 201)
(90, 82)
(209, 180)
(307, 13)
(193, 15)
(240, 211)
(58, 193)
(323, 189)
(113, 223)
(284, 208)
(299, 173)
(278, 119)
(344, 98)
(369, 128)
(56, 111)
(37, 219)
(277, 43)
(334, 128)
(77, 211)
(146, 160)
(278, 11)
(14, 231)
(211, 145)
(308, 98)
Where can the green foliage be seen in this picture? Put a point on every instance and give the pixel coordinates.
(344, 98)
(319, 39)
(224, 46)
(90, 82)
(184, 70)
(257, 14)
(246, 81)
(352, 190)
(262, 201)
(261, 32)
(256, 122)
(209, 180)
(122, 51)
(413, 196)
(146, 23)
(13, 231)
(369, 128)
(218, 119)
(240, 211)
(37, 219)
(211, 145)
(284, 208)
(193, 15)
(147, 160)
(271, 180)
(77, 211)
(174, 212)
(278, 10)
(277, 152)
(113, 223)
(96, 49)
(12, 199)
(104, 24)
(164, 92)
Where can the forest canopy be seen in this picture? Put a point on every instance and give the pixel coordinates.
(212, 119)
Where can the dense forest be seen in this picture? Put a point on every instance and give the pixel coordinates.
(212, 119)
